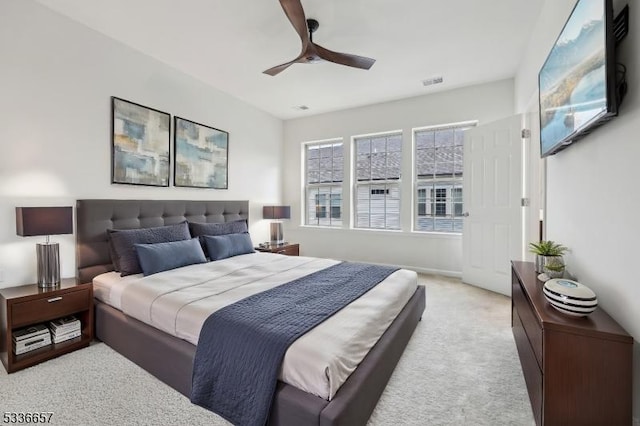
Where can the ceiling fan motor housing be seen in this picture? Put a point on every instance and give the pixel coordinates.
(313, 25)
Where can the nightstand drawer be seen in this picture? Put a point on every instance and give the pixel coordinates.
(291, 250)
(288, 249)
(49, 307)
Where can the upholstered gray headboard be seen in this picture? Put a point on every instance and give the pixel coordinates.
(94, 217)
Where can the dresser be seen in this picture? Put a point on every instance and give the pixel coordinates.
(577, 369)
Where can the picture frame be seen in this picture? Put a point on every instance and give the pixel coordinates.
(201, 155)
(140, 144)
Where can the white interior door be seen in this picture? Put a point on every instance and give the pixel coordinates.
(492, 231)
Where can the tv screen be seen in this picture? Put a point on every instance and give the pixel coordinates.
(577, 81)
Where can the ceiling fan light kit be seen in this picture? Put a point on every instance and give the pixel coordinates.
(311, 52)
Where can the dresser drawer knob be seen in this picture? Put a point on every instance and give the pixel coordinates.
(54, 299)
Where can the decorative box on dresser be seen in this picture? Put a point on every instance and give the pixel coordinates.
(29, 305)
(577, 369)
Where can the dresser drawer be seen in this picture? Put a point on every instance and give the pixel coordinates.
(49, 307)
(530, 323)
(532, 373)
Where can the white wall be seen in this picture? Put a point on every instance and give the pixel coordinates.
(592, 191)
(553, 15)
(56, 80)
(419, 251)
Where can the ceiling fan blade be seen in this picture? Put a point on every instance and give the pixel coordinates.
(344, 58)
(294, 11)
(279, 68)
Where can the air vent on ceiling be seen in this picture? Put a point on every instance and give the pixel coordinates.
(301, 107)
(432, 80)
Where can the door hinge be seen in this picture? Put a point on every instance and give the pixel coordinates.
(524, 202)
(525, 134)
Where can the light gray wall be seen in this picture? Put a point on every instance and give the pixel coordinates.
(56, 80)
(593, 200)
(425, 252)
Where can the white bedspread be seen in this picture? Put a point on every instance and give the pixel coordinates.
(179, 301)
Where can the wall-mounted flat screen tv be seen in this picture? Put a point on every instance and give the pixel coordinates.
(577, 81)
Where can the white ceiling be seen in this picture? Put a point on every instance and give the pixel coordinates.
(227, 44)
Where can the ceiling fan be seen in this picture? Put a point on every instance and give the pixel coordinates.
(312, 52)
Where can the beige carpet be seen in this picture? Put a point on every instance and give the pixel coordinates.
(460, 368)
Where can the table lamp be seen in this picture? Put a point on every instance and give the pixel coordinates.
(276, 212)
(31, 221)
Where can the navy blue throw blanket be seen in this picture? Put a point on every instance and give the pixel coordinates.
(241, 346)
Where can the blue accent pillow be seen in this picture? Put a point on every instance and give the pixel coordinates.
(160, 257)
(123, 240)
(223, 246)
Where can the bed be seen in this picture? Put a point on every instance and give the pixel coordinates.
(170, 358)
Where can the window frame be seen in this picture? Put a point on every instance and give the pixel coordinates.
(373, 184)
(329, 196)
(450, 183)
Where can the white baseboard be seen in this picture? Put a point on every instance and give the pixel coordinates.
(454, 274)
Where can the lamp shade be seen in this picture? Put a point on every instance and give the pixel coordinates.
(276, 212)
(31, 221)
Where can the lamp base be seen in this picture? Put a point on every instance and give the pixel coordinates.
(48, 264)
(277, 236)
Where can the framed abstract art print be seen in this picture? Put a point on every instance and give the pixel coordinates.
(201, 155)
(140, 143)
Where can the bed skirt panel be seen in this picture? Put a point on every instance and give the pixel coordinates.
(166, 357)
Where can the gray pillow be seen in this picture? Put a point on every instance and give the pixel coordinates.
(123, 240)
(160, 257)
(113, 255)
(234, 227)
(223, 246)
(201, 229)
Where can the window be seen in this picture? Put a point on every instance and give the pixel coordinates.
(440, 202)
(379, 191)
(457, 201)
(438, 177)
(336, 206)
(321, 208)
(324, 170)
(334, 201)
(422, 202)
(378, 161)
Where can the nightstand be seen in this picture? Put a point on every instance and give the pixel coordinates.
(29, 305)
(289, 249)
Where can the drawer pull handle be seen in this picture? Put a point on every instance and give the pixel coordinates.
(54, 299)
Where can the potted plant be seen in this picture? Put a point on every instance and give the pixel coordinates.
(553, 267)
(547, 252)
